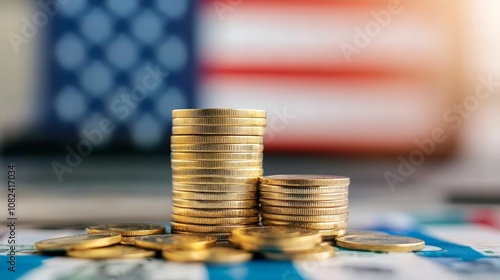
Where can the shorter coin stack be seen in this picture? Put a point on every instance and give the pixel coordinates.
(216, 163)
(316, 202)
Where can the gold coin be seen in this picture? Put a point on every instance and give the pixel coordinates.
(128, 240)
(305, 219)
(216, 213)
(320, 252)
(317, 226)
(304, 204)
(205, 228)
(219, 130)
(215, 188)
(215, 196)
(305, 211)
(218, 148)
(276, 236)
(263, 246)
(380, 243)
(304, 197)
(218, 113)
(127, 229)
(304, 189)
(305, 180)
(112, 252)
(218, 255)
(331, 234)
(175, 241)
(216, 221)
(78, 242)
(214, 204)
(191, 164)
(249, 172)
(221, 236)
(215, 139)
(206, 180)
(219, 121)
(216, 156)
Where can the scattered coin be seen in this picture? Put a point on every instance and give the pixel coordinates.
(175, 241)
(380, 243)
(320, 252)
(112, 252)
(127, 229)
(219, 255)
(78, 242)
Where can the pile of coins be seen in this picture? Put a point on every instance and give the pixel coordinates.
(216, 164)
(275, 243)
(317, 202)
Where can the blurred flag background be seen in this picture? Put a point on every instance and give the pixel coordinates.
(350, 87)
(363, 77)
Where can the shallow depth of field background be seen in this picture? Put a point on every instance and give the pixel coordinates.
(351, 88)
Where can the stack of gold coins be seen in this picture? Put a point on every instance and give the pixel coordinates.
(316, 202)
(216, 165)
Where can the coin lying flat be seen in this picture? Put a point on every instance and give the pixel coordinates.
(216, 156)
(305, 180)
(175, 241)
(306, 211)
(320, 252)
(305, 219)
(248, 172)
(215, 195)
(304, 189)
(304, 204)
(214, 204)
(217, 188)
(218, 113)
(317, 226)
(206, 228)
(219, 121)
(177, 164)
(268, 246)
(218, 148)
(209, 255)
(304, 197)
(219, 130)
(380, 243)
(127, 229)
(112, 252)
(216, 139)
(78, 242)
(216, 221)
(275, 235)
(220, 213)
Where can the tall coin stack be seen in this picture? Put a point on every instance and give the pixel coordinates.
(316, 202)
(216, 165)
